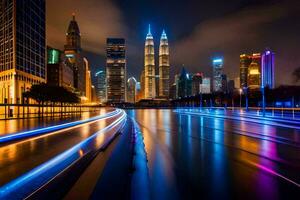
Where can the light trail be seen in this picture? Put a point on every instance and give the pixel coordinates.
(56, 128)
(261, 120)
(31, 181)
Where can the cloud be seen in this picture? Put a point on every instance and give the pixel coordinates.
(97, 19)
(243, 31)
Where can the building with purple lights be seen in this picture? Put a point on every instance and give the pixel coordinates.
(267, 69)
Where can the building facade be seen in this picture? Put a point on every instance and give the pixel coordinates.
(22, 48)
(88, 82)
(184, 83)
(164, 67)
(131, 90)
(268, 69)
(59, 70)
(101, 86)
(245, 61)
(196, 82)
(149, 67)
(73, 52)
(116, 70)
(254, 76)
(217, 74)
(205, 87)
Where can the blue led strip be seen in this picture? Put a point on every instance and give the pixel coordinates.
(37, 132)
(29, 182)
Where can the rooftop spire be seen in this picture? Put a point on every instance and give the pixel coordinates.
(163, 35)
(149, 30)
(149, 35)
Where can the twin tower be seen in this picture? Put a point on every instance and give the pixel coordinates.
(164, 68)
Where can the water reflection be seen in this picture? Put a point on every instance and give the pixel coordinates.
(215, 158)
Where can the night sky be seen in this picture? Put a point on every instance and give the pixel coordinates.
(197, 30)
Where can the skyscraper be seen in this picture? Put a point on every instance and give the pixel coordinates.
(101, 86)
(254, 73)
(116, 70)
(59, 69)
(196, 82)
(73, 52)
(131, 90)
(88, 81)
(267, 69)
(149, 70)
(217, 74)
(245, 61)
(224, 83)
(205, 87)
(184, 83)
(22, 48)
(164, 67)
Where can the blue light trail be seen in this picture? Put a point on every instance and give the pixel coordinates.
(31, 181)
(37, 132)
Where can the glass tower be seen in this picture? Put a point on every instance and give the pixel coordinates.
(217, 74)
(267, 69)
(22, 47)
(116, 70)
(164, 67)
(149, 70)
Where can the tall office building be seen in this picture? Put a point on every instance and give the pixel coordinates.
(149, 70)
(205, 87)
(73, 52)
(224, 83)
(267, 69)
(245, 61)
(88, 81)
(164, 67)
(184, 83)
(101, 86)
(217, 74)
(196, 82)
(116, 70)
(131, 90)
(254, 73)
(59, 69)
(22, 47)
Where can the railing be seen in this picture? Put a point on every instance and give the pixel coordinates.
(17, 111)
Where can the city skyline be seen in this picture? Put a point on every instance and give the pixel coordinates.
(207, 45)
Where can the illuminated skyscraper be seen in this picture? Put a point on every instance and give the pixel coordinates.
(267, 69)
(22, 47)
(205, 87)
(254, 72)
(73, 53)
(217, 74)
(59, 69)
(101, 86)
(116, 70)
(88, 81)
(150, 88)
(245, 61)
(164, 67)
